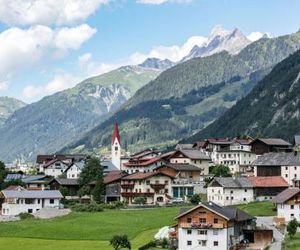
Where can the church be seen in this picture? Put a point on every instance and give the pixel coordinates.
(116, 147)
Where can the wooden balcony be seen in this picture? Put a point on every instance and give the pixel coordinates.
(197, 225)
(157, 187)
(133, 194)
(127, 186)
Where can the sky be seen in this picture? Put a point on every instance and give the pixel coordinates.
(50, 45)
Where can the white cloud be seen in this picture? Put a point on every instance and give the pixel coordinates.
(173, 53)
(254, 36)
(3, 85)
(20, 48)
(158, 2)
(47, 12)
(58, 83)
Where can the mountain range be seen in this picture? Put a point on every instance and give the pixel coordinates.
(189, 96)
(271, 109)
(47, 125)
(8, 106)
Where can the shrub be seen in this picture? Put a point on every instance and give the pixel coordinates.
(148, 245)
(120, 241)
(92, 207)
(140, 200)
(292, 228)
(25, 216)
(195, 199)
(114, 205)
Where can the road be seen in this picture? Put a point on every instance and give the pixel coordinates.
(267, 222)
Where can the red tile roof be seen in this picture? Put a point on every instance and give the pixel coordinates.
(116, 134)
(113, 176)
(141, 176)
(142, 163)
(268, 181)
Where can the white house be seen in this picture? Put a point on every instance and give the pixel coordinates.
(16, 201)
(74, 170)
(209, 226)
(191, 156)
(288, 205)
(55, 168)
(226, 191)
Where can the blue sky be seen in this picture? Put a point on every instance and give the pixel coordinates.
(50, 45)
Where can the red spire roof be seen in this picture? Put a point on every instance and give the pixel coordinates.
(116, 134)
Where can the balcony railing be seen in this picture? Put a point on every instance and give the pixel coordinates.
(127, 186)
(157, 186)
(196, 225)
(133, 194)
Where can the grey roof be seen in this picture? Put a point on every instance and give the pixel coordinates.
(278, 159)
(274, 141)
(35, 178)
(184, 146)
(183, 167)
(231, 213)
(67, 182)
(229, 182)
(286, 195)
(194, 154)
(11, 177)
(108, 166)
(32, 194)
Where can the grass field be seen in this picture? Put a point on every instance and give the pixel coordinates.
(85, 230)
(94, 230)
(293, 244)
(262, 208)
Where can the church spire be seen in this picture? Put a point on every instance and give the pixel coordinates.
(116, 134)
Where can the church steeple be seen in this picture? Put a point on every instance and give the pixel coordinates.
(116, 146)
(116, 134)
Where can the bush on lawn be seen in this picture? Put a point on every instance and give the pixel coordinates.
(25, 216)
(149, 245)
(114, 205)
(140, 200)
(92, 207)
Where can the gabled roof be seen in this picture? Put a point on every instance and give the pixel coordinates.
(278, 159)
(32, 194)
(272, 141)
(142, 163)
(114, 176)
(45, 158)
(184, 146)
(220, 141)
(116, 134)
(37, 179)
(193, 154)
(229, 213)
(11, 177)
(230, 182)
(286, 195)
(67, 182)
(142, 176)
(181, 167)
(268, 181)
(49, 163)
(144, 152)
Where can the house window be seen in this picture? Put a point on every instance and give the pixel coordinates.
(30, 211)
(189, 220)
(244, 199)
(292, 216)
(231, 191)
(51, 201)
(166, 191)
(116, 148)
(202, 243)
(231, 198)
(202, 232)
(286, 176)
(216, 221)
(245, 190)
(286, 168)
(166, 182)
(189, 231)
(227, 198)
(148, 190)
(39, 201)
(147, 182)
(189, 243)
(202, 220)
(216, 243)
(292, 206)
(215, 232)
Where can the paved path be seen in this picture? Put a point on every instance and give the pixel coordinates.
(267, 222)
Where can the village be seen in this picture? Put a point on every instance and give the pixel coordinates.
(217, 175)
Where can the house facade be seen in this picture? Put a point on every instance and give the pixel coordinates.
(261, 146)
(193, 157)
(155, 187)
(142, 165)
(187, 179)
(55, 167)
(74, 170)
(227, 191)
(14, 202)
(286, 165)
(209, 226)
(288, 205)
